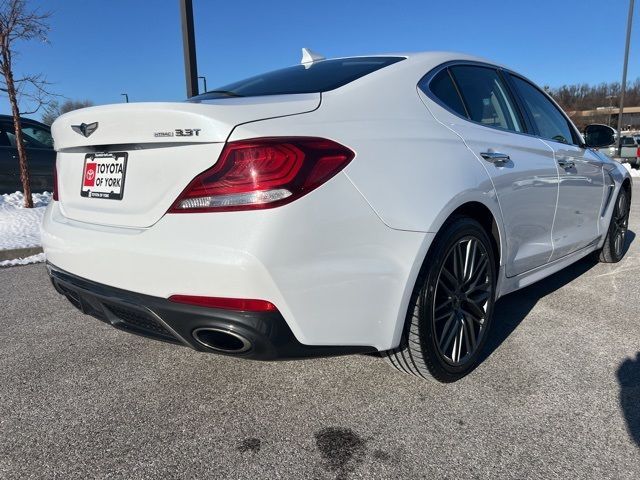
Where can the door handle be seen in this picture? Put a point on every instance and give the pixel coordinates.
(566, 163)
(495, 157)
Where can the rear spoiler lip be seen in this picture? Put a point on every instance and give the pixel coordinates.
(171, 122)
(119, 147)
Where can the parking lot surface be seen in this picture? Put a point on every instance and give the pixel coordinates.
(558, 396)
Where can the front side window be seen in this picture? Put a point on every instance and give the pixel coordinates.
(486, 97)
(548, 120)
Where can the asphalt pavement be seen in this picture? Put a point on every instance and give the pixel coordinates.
(558, 396)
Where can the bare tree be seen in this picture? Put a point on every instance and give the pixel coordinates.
(55, 109)
(589, 97)
(19, 23)
(604, 96)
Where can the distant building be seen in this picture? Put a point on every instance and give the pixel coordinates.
(607, 116)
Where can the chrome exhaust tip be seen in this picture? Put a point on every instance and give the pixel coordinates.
(221, 340)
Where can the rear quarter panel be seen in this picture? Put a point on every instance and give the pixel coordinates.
(411, 170)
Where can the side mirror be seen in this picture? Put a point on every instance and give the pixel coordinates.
(597, 136)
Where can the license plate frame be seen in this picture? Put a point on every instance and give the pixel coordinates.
(108, 170)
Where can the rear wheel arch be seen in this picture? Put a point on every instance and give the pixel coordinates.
(482, 214)
(473, 209)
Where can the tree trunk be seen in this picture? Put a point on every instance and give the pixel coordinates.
(22, 153)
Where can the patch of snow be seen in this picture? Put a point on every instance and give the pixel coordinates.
(23, 261)
(633, 171)
(16, 200)
(19, 226)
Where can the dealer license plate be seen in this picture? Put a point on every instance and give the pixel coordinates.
(103, 175)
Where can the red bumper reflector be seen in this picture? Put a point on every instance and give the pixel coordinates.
(244, 304)
(55, 196)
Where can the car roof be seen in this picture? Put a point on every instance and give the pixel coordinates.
(23, 119)
(430, 58)
(416, 65)
(404, 76)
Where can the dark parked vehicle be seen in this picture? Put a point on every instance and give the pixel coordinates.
(40, 154)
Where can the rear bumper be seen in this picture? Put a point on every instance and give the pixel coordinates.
(268, 335)
(336, 273)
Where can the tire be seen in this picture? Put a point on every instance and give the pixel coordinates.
(613, 249)
(451, 308)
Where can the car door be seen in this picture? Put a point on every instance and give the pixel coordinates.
(40, 157)
(521, 167)
(9, 177)
(40, 154)
(581, 186)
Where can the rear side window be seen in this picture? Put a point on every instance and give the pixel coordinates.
(547, 119)
(33, 136)
(443, 88)
(37, 137)
(317, 77)
(486, 97)
(628, 141)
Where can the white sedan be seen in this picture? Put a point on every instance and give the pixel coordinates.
(361, 204)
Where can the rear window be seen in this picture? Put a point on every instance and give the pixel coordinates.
(317, 77)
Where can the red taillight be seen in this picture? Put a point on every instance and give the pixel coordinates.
(244, 304)
(638, 152)
(263, 173)
(55, 182)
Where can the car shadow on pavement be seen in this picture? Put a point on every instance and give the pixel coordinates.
(512, 309)
(629, 379)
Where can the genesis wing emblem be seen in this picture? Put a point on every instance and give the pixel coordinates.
(85, 129)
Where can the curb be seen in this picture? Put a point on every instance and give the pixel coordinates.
(19, 253)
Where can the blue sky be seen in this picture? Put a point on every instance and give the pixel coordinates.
(101, 48)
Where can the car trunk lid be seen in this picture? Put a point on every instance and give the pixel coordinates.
(159, 147)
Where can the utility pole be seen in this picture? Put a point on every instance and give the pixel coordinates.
(189, 48)
(624, 75)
